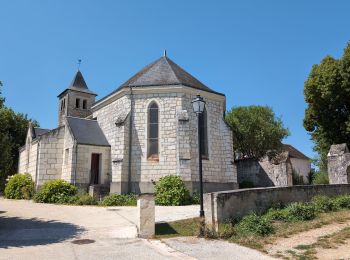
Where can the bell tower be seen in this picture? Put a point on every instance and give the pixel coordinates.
(76, 100)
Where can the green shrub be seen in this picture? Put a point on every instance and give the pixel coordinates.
(342, 201)
(171, 191)
(323, 204)
(119, 200)
(254, 224)
(298, 211)
(277, 214)
(246, 185)
(56, 191)
(195, 198)
(226, 230)
(20, 186)
(320, 178)
(84, 199)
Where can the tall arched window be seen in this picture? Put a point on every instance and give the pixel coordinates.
(153, 132)
(204, 133)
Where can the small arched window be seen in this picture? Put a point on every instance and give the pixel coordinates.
(153, 132)
(203, 124)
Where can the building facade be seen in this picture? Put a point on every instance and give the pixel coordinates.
(142, 131)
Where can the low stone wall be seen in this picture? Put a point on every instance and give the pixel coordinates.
(220, 206)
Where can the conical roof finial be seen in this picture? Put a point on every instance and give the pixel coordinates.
(164, 53)
(79, 63)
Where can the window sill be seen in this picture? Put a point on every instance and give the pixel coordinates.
(153, 160)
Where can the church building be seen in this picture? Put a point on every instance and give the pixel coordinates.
(126, 141)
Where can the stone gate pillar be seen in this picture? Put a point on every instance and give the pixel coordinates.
(339, 164)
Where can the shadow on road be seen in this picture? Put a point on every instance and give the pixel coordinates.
(20, 232)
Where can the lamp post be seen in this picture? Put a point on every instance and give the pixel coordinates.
(198, 107)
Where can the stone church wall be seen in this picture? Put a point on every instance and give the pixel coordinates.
(22, 163)
(68, 157)
(177, 142)
(51, 155)
(32, 160)
(219, 172)
(83, 173)
(145, 172)
(117, 136)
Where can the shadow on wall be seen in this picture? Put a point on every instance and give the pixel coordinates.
(19, 232)
(250, 174)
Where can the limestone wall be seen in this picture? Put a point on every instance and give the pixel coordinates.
(32, 165)
(51, 155)
(145, 170)
(83, 169)
(68, 162)
(221, 206)
(264, 173)
(117, 137)
(177, 140)
(219, 167)
(22, 163)
(302, 167)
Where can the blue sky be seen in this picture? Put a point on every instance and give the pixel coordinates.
(256, 52)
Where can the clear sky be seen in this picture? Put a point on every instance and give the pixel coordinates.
(256, 52)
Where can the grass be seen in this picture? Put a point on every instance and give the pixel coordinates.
(287, 229)
(190, 227)
(186, 227)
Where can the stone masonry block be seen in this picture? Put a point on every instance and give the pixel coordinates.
(146, 215)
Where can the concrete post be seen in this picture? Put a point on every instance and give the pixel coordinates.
(146, 215)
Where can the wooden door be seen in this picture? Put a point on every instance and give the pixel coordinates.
(95, 168)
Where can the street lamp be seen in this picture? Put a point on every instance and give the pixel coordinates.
(198, 107)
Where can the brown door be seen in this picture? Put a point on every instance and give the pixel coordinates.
(95, 168)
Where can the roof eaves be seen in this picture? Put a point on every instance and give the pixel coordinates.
(103, 145)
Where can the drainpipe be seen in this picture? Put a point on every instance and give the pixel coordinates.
(76, 160)
(130, 139)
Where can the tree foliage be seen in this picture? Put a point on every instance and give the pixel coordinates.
(327, 94)
(257, 132)
(2, 99)
(13, 130)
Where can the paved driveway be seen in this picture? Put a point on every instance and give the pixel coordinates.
(42, 231)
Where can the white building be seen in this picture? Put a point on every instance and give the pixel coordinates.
(94, 144)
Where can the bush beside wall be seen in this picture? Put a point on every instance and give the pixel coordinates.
(171, 191)
(56, 191)
(19, 186)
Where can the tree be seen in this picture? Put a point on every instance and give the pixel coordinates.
(2, 99)
(327, 94)
(257, 132)
(13, 131)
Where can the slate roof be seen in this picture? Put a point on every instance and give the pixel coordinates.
(163, 72)
(293, 152)
(78, 84)
(40, 131)
(86, 131)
